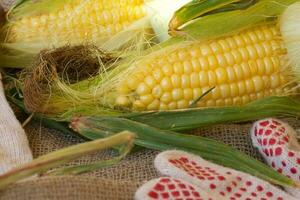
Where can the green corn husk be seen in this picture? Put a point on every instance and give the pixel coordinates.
(63, 156)
(199, 8)
(183, 120)
(245, 15)
(150, 137)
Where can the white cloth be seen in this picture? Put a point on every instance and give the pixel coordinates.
(188, 176)
(14, 146)
(277, 143)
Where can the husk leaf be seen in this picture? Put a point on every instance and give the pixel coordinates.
(198, 8)
(153, 138)
(214, 25)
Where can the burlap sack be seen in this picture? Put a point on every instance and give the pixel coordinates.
(116, 182)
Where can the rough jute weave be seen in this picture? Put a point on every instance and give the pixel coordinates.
(116, 182)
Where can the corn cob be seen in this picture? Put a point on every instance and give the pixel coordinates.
(242, 68)
(78, 20)
(37, 25)
(243, 63)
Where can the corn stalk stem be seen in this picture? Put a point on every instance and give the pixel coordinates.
(54, 159)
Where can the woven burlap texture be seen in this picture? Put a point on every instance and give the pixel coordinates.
(116, 182)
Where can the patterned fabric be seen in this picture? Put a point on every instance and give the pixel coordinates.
(171, 188)
(278, 144)
(190, 175)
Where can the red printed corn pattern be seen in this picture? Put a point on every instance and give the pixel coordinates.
(227, 183)
(170, 188)
(277, 142)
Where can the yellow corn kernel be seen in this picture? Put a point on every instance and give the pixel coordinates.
(224, 44)
(195, 82)
(166, 84)
(157, 91)
(77, 21)
(240, 68)
(196, 65)
(221, 74)
(187, 67)
(237, 56)
(158, 75)
(195, 52)
(234, 90)
(216, 48)
(197, 92)
(166, 97)
(154, 105)
(172, 106)
(143, 89)
(132, 82)
(168, 69)
(258, 83)
(183, 55)
(210, 103)
(146, 99)
(229, 59)
(163, 106)
(244, 53)
(221, 60)
(177, 94)
(245, 99)
(185, 81)
(182, 104)
(220, 102)
(178, 68)
(138, 105)
(188, 94)
(212, 78)
(212, 61)
(225, 91)
(203, 63)
(122, 101)
(228, 102)
(205, 50)
(123, 89)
